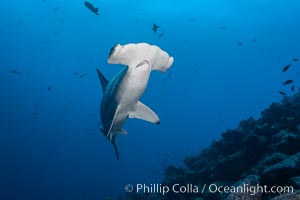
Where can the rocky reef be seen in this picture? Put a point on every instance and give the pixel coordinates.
(263, 152)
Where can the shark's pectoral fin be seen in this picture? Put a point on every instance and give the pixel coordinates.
(141, 111)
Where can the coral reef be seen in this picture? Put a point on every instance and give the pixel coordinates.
(258, 152)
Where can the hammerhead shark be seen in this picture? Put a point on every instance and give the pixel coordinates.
(121, 95)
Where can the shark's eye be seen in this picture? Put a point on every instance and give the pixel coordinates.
(112, 50)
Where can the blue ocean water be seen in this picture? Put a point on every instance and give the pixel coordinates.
(228, 65)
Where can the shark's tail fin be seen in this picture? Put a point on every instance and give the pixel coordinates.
(116, 148)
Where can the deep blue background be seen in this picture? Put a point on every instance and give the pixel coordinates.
(50, 147)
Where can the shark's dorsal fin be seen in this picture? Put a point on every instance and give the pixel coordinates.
(103, 80)
(141, 111)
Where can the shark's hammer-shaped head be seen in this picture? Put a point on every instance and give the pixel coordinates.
(132, 54)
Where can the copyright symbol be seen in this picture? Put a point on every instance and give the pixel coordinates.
(129, 188)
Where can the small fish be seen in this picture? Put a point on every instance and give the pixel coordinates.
(223, 27)
(254, 40)
(56, 8)
(162, 33)
(14, 71)
(168, 77)
(49, 87)
(192, 20)
(285, 68)
(76, 73)
(240, 43)
(154, 28)
(295, 59)
(282, 93)
(293, 88)
(20, 21)
(91, 7)
(83, 75)
(287, 82)
(89, 133)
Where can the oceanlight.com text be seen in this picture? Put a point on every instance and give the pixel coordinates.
(210, 188)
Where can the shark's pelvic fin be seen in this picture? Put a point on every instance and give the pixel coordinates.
(141, 111)
(122, 132)
(103, 80)
(116, 148)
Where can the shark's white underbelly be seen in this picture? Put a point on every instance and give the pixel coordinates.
(129, 93)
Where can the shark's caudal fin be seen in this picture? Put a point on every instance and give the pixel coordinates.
(141, 111)
(132, 54)
(113, 141)
(103, 80)
(116, 148)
